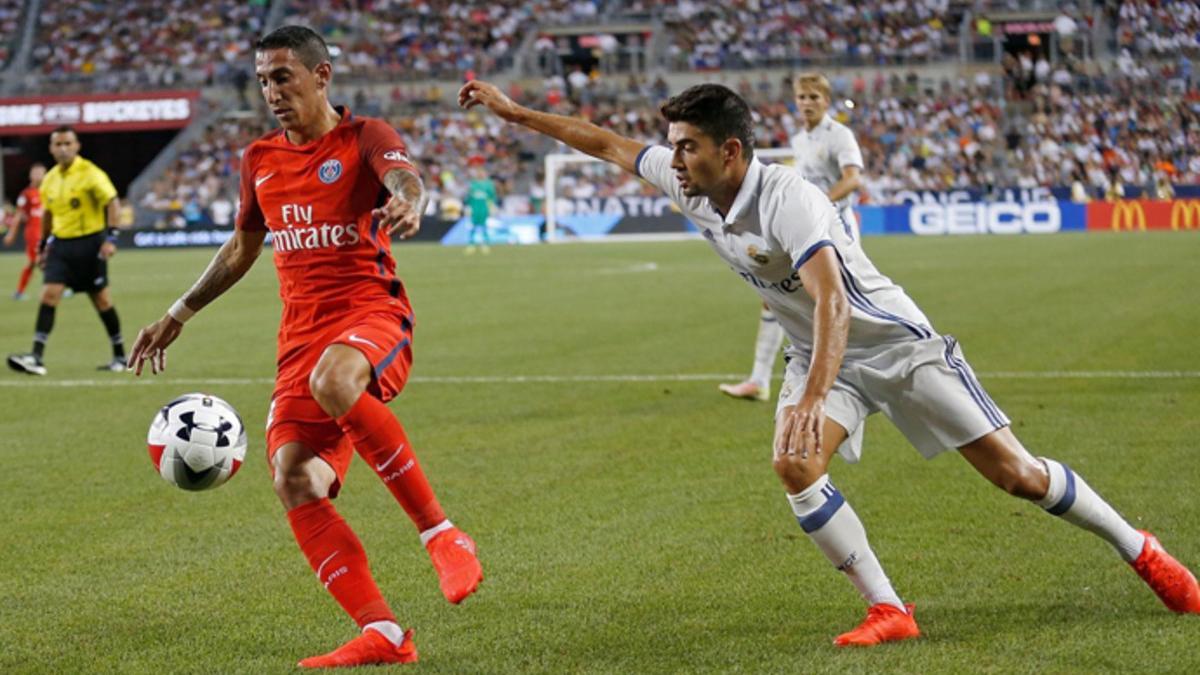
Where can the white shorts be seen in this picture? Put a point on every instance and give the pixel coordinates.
(925, 387)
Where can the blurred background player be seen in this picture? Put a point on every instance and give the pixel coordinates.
(29, 218)
(80, 210)
(828, 155)
(860, 345)
(345, 336)
(481, 201)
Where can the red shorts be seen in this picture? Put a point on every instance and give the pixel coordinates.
(31, 249)
(295, 416)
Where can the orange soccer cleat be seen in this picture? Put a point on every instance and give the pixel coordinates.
(885, 623)
(1167, 577)
(458, 570)
(370, 648)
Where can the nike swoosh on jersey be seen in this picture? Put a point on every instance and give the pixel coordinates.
(262, 179)
(355, 338)
(384, 465)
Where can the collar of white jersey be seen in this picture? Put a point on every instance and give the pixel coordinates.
(747, 193)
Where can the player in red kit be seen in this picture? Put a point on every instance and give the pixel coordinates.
(29, 213)
(345, 338)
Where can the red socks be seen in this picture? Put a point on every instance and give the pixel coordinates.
(25, 274)
(338, 558)
(380, 440)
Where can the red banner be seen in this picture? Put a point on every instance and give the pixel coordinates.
(1139, 215)
(97, 112)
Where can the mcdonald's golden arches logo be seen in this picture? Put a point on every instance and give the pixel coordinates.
(1129, 215)
(1185, 214)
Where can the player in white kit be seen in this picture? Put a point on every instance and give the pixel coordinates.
(859, 344)
(828, 155)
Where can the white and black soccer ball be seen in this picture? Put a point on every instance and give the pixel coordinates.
(197, 442)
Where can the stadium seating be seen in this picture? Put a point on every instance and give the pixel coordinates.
(956, 135)
(1040, 122)
(402, 39)
(10, 17)
(776, 33)
(1159, 28)
(144, 43)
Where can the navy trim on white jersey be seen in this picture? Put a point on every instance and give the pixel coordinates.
(637, 163)
(812, 250)
(859, 299)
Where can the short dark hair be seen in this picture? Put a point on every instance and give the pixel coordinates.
(717, 110)
(304, 42)
(64, 129)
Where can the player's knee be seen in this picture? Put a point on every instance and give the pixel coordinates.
(295, 485)
(51, 296)
(334, 391)
(797, 473)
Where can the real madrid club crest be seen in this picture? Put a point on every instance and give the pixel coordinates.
(758, 256)
(330, 171)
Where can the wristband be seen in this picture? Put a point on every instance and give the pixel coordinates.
(42, 244)
(111, 237)
(180, 311)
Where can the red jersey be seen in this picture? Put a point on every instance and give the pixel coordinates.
(30, 203)
(333, 263)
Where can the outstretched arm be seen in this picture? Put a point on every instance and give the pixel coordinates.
(230, 264)
(577, 133)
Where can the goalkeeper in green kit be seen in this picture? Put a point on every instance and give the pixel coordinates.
(481, 200)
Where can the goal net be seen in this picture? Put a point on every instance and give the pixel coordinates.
(589, 199)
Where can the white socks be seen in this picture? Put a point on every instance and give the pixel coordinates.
(766, 348)
(835, 528)
(434, 531)
(1070, 498)
(389, 629)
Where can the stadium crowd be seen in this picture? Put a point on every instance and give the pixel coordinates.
(1075, 125)
(10, 17)
(779, 33)
(1158, 27)
(144, 43)
(399, 39)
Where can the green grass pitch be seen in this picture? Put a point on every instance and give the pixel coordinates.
(625, 526)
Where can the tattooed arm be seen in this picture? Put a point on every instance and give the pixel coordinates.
(402, 213)
(230, 264)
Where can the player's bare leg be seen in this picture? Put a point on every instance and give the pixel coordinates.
(31, 362)
(302, 483)
(1001, 458)
(339, 384)
(834, 527)
(766, 348)
(102, 301)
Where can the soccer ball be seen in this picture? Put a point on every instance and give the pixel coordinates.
(197, 442)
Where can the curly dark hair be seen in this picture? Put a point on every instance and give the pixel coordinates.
(717, 111)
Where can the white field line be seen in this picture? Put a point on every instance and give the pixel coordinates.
(15, 381)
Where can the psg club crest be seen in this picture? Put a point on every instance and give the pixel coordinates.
(330, 171)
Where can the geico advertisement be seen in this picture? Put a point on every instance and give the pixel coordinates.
(927, 219)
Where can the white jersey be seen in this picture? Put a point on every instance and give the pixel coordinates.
(777, 222)
(822, 153)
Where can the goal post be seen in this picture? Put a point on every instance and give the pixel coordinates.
(577, 184)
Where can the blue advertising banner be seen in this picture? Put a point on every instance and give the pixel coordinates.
(974, 218)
